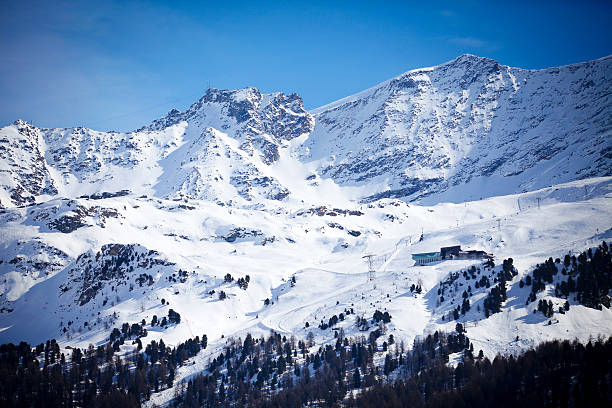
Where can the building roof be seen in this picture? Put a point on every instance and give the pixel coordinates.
(426, 255)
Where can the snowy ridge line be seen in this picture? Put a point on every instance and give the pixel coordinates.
(369, 90)
(448, 133)
(467, 129)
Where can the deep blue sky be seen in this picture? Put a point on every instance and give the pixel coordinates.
(119, 65)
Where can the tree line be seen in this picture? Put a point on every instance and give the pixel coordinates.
(42, 376)
(554, 374)
(588, 277)
(284, 372)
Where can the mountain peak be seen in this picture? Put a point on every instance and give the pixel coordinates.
(470, 57)
(21, 123)
(242, 105)
(249, 93)
(442, 128)
(471, 60)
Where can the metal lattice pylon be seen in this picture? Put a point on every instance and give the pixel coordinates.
(371, 270)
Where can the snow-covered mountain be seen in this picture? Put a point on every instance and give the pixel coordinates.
(220, 149)
(98, 229)
(469, 128)
(462, 130)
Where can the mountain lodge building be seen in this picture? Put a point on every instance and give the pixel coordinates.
(451, 252)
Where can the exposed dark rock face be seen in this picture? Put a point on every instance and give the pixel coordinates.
(263, 121)
(113, 265)
(76, 218)
(239, 232)
(24, 174)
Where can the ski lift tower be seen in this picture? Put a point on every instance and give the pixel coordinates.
(371, 271)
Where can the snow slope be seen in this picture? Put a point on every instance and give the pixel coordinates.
(315, 245)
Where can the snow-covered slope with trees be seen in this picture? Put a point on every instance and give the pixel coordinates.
(248, 214)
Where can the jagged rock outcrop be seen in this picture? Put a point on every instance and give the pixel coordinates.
(259, 121)
(23, 169)
(114, 265)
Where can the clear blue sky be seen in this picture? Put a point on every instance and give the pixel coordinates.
(119, 65)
